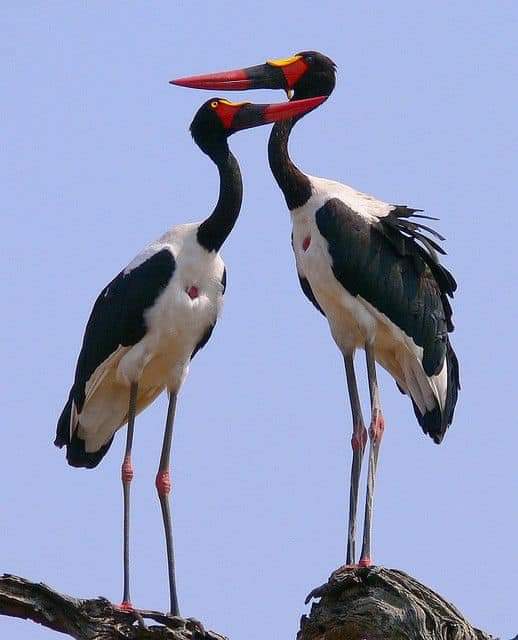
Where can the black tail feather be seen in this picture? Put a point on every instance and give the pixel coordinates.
(63, 428)
(77, 456)
(435, 423)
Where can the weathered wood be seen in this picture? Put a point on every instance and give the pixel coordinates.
(354, 604)
(382, 604)
(95, 619)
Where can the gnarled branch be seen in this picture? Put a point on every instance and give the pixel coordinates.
(95, 619)
(382, 604)
(354, 604)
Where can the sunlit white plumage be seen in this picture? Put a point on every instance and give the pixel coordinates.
(353, 320)
(176, 323)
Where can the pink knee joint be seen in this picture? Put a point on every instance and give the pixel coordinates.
(127, 470)
(359, 439)
(377, 428)
(163, 483)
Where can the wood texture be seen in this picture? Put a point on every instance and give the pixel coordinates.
(95, 619)
(382, 604)
(354, 604)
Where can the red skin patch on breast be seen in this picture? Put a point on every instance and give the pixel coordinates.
(193, 292)
(306, 242)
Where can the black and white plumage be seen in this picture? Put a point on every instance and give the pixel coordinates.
(377, 279)
(371, 268)
(144, 326)
(150, 321)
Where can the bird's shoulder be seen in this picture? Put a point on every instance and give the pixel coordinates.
(357, 202)
(172, 241)
(402, 283)
(117, 318)
(347, 213)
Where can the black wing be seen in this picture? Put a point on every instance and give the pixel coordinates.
(117, 319)
(308, 292)
(383, 263)
(399, 229)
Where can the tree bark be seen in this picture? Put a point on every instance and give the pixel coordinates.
(354, 604)
(382, 604)
(95, 619)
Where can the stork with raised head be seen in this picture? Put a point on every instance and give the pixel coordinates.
(150, 321)
(371, 268)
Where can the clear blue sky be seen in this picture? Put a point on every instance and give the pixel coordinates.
(97, 161)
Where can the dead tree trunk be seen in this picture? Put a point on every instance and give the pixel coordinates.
(358, 604)
(382, 604)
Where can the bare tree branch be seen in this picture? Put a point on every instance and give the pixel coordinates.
(382, 604)
(95, 619)
(354, 604)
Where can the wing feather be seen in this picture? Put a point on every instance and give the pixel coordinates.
(116, 323)
(395, 268)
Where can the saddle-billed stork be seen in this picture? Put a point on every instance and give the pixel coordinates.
(150, 321)
(371, 268)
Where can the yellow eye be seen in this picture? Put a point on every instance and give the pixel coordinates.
(214, 104)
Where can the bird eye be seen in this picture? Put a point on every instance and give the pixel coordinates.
(214, 104)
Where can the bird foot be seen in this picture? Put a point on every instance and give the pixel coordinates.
(365, 562)
(127, 607)
(347, 567)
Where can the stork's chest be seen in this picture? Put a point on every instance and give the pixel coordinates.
(347, 317)
(311, 250)
(192, 299)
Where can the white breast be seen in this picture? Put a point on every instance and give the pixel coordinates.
(350, 322)
(363, 204)
(176, 322)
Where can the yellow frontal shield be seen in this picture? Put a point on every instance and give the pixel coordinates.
(283, 62)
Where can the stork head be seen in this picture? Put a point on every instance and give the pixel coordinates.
(304, 75)
(218, 118)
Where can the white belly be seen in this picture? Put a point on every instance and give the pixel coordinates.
(159, 361)
(351, 323)
(176, 324)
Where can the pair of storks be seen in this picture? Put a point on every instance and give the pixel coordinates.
(371, 268)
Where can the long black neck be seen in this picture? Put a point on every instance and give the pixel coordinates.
(213, 231)
(294, 184)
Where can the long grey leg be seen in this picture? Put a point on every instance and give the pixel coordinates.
(163, 485)
(376, 429)
(358, 442)
(127, 477)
